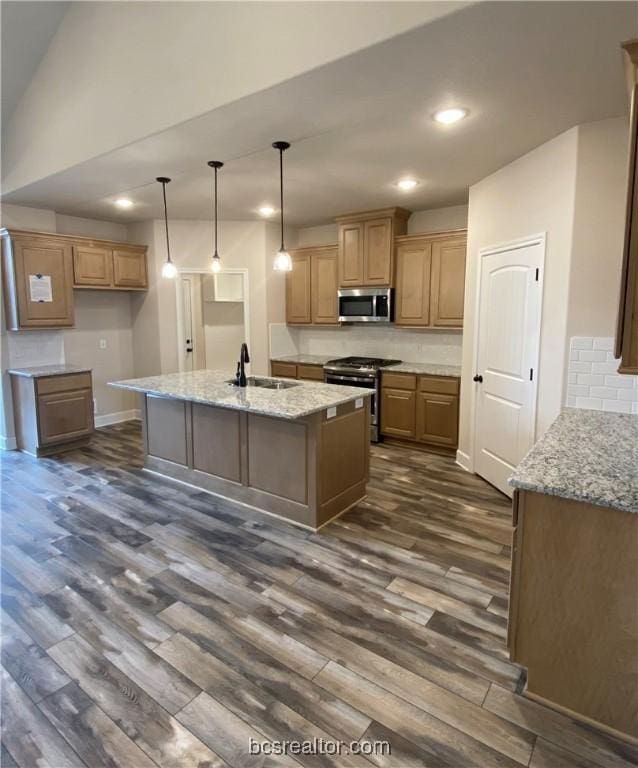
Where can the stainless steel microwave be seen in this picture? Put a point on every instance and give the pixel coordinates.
(365, 305)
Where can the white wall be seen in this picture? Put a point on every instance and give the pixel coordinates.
(224, 333)
(534, 194)
(438, 219)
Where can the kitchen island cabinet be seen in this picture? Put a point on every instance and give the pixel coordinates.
(300, 453)
(573, 612)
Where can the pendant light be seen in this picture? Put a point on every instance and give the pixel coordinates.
(283, 262)
(168, 269)
(216, 263)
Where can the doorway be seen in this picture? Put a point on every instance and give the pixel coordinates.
(510, 296)
(212, 318)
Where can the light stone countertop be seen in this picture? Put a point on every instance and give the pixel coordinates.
(41, 371)
(431, 369)
(211, 388)
(585, 455)
(305, 359)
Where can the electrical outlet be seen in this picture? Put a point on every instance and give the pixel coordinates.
(102, 343)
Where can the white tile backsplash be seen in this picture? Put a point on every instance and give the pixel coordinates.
(28, 348)
(593, 381)
(441, 347)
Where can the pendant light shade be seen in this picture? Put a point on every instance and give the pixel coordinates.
(169, 269)
(216, 262)
(283, 262)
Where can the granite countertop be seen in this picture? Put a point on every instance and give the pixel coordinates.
(589, 456)
(432, 369)
(211, 388)
(305, 359)
(40, 371)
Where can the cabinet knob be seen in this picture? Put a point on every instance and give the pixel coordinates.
(478, 378)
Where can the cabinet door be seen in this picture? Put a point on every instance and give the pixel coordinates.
(129, 269)
(64, 416)
(398, 412)
(298, 289)
(377, 250)
(351, 254)
(92, 266)
(448, 282)
(324, 286)
(413, 284)
(44, 283)
(437, 419)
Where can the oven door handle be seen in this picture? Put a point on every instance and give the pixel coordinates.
(362, 379)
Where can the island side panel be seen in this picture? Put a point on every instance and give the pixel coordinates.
(217, 441)
(576, 608)
(343, 460)
(167, 429)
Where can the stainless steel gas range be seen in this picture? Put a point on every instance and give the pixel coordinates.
(364, 372)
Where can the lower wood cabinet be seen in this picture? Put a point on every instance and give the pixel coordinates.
(398, 413)
(283, 370)
(307, 371)
(311, 287)
(52, 412)
(421, 409)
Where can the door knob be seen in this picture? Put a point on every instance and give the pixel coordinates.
(478, 378)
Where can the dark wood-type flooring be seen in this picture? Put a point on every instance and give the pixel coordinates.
(148, 624)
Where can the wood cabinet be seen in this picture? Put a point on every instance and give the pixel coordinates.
(283, 370)
(430, 279)
(38, 282)
(311, 287)
(627, 328)
(306, 371)
(52, 412)
(366, 246)
(423, 409)
(92, 266)
(41, 270)
(398, 412)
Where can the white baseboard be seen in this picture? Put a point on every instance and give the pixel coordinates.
(8, 443)
(464, 461)
(117, 417)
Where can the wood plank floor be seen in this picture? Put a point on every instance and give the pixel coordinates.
(148, 624)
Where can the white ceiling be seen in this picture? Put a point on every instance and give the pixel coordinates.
(526, 71)
(27, 30)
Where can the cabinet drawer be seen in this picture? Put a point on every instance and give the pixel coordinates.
(439, 385)
(313, 372)
(64, 416)
(399, 380)
(66, 383)
(285, 370)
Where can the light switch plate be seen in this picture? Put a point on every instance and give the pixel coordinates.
(331, 413)
(358, 403)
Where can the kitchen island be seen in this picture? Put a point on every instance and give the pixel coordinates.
(297, 450)
(573, 613)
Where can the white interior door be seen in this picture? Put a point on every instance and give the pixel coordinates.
(510, 303)
(187, 340)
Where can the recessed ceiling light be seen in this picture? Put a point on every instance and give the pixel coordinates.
(407, 184)
(266, 210)
(124, 202)
(449, 116)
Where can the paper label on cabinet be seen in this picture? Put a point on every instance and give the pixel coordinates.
(358, 403)
(40, 288)
(331, 413)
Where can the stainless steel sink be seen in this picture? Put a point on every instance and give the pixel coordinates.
(257, 381)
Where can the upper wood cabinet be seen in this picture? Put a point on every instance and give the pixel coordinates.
(366, 246)
(298, 306)
(430, 280)
(311, 287)
(41, 270)
(38, 282)
(627, 328)
(92, 266)
(129, 268)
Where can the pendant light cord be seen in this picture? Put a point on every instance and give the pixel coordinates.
(281, 194)
(168, 247)
(215, 254)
